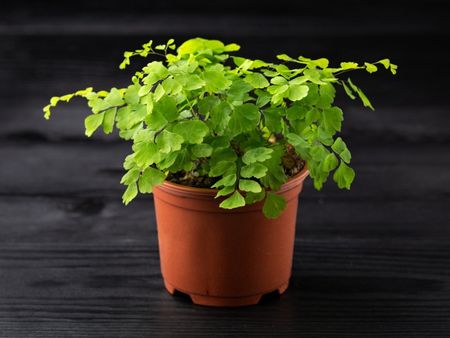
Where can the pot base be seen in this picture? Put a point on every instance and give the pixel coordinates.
(224, 301)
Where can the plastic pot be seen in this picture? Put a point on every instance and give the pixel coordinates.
(224, 257)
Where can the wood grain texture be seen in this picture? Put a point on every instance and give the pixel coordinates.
(339, 288)
(370, 262)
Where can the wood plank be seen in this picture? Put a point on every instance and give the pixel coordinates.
(370, 262)
(80, 56)
(365, 288)
(43, 168)
(61, 169)
(202, 17)
(22, 8)
(151, 23)
(99, 219)
(386, 124)
(78, 62)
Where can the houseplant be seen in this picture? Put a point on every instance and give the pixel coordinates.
(225, 144)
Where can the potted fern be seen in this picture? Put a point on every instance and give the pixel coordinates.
(225, 143)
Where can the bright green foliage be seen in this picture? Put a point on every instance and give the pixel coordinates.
(297, 92)
(226, 181)
(130, 193)
(244, 119)
(256, 80)
(109, 120)
(275, 176)
(274, 205)
(215, 80)
(149, 178)
(340, 148)
(361, 94)
(196, 111)
(344, 176)
(331, 119)
(251, 197)
(192, 131)
(236, 200)
(92, 122)
(254, 170)
(168, 142)
(201, 150)
(370, 67)
(250, 186)
(259, 154)
(225, 191)
(131, 176)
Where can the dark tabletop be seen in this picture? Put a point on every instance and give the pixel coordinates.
(75, 262)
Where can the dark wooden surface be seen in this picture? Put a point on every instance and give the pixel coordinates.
(75, 262)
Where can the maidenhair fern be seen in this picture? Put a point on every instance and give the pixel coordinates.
(231, 118)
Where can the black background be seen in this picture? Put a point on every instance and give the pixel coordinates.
(371, 261)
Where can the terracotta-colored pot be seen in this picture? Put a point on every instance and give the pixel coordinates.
(224, 257)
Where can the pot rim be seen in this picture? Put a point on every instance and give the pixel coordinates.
(195, 191)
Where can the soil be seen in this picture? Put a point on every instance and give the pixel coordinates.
(292, 165)
(192, 179)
